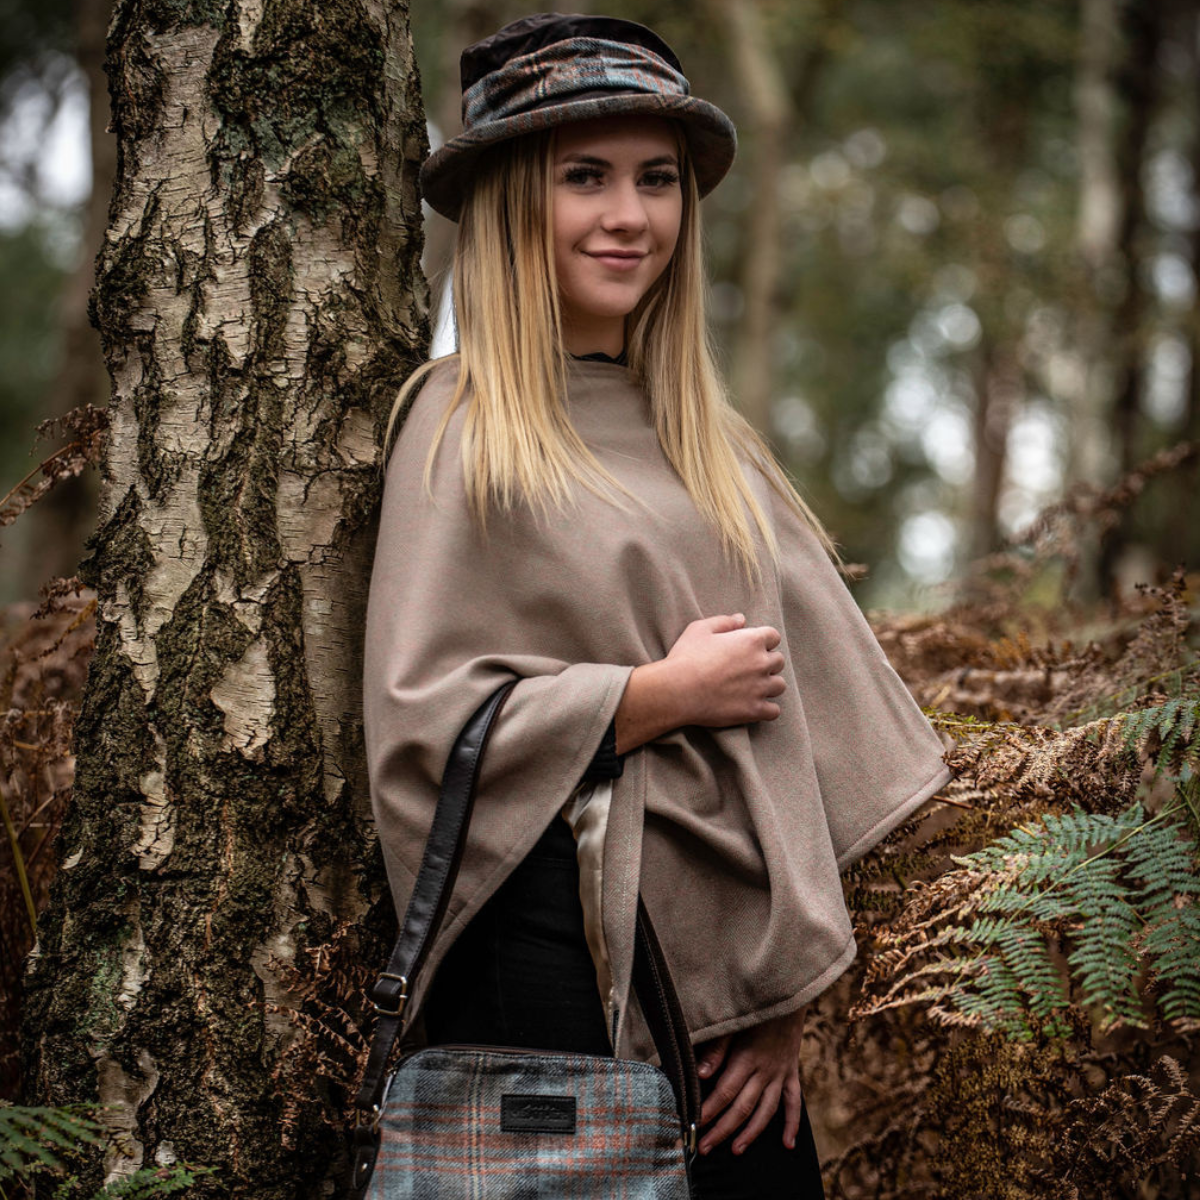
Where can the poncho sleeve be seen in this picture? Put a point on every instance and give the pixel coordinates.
(748, 827)
(877, 757)
(442, 633)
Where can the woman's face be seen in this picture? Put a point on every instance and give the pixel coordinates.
(617, 210)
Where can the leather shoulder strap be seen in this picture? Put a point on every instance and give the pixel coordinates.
(427, 907)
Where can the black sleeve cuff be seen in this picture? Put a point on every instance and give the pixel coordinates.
(606, 762)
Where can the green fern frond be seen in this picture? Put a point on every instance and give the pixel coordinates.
(36, 1140)
(1176, 726)
(996, 1001)
(1120, 893)
(153, 1181)
(33, 1137)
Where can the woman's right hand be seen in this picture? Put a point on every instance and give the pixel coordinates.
(727, 673)
(717, 673)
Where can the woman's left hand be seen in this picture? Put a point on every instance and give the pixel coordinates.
(762, 1064)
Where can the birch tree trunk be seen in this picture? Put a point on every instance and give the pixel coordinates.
(259, 301)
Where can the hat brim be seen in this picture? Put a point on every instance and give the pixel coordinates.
(712, 140)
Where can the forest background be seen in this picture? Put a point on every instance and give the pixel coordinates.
(957, 252)
(955, 281)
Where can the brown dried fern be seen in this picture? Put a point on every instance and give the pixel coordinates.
(1142, 1125)
(87, 426)
(43, 664)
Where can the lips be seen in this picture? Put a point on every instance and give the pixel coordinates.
(617, 260)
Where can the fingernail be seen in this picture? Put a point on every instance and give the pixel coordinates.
(704, 1068)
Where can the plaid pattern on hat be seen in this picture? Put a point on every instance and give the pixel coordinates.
(487, 1124)
(550, 69)
(574, 69)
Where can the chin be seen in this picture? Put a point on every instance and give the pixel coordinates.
(608, 309)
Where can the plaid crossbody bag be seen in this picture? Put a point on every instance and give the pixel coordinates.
(497, 1123)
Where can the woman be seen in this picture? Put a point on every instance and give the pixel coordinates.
(702, 713)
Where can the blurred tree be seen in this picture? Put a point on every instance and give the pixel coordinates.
(1181, 527)
(259, 301)
(29, 342)
(1142, 24)
(761, 82)
(921, 233)
(62, 522)
(47, 49)
(1100, 199)
(36, 39)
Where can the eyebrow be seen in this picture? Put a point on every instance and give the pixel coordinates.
(663, 160)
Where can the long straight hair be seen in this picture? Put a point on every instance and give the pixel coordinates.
(518, 441)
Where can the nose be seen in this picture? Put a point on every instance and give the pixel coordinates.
(626, 209)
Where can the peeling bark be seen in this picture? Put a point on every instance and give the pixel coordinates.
(259, 300)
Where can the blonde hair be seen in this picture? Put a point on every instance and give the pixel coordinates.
(518, 441)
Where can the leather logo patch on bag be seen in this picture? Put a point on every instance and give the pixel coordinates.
(524, 1113)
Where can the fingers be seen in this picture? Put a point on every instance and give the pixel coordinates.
(740, 1105)
(793, 1101)
(767, 635)
(713, 1055)
(759, 1103)
(767, 1104)
(773, 685)
(723, 623)
(729, 1087)
(741, 673)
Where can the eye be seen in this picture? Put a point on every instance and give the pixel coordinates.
(581, 175)
(660, 179)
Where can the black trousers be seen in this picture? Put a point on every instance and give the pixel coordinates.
(521, 974)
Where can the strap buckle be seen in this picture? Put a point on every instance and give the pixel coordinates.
(399, 1000)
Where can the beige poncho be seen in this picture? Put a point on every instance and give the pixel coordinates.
(736, 835)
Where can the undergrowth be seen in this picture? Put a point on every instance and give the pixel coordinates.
(1023, 1016)
(1025, 1010)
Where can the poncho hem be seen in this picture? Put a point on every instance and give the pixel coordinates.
(779, 1008)
(886, 824)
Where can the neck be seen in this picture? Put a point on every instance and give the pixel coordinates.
(592, 337)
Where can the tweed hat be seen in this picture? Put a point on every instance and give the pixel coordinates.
(551, 68)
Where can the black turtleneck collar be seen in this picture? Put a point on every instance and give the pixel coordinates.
(600, 356)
